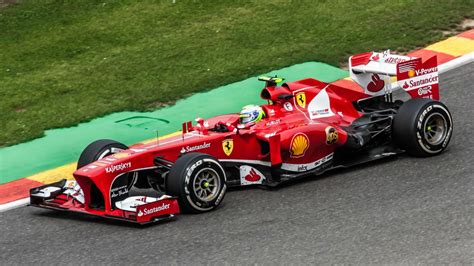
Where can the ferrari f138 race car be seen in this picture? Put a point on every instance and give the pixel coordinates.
(306, 128)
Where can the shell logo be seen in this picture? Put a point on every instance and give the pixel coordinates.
(411, 73)
(299, 145)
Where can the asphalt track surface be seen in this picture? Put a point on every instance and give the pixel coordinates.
(400, 210)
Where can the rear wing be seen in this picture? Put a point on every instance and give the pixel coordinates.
(374, 72)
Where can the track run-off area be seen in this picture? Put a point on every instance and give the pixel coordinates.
(400, 210)
(52, 157)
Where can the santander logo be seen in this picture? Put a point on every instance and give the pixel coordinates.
(252, 176)
(424, 80)
(153, 210)
(376, 84)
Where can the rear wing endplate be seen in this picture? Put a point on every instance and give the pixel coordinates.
(375, 72)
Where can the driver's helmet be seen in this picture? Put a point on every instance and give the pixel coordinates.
(251, 114)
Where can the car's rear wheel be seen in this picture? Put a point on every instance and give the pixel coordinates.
(199, 182)
(422, 127)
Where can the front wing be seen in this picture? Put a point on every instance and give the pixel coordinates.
(67, 196)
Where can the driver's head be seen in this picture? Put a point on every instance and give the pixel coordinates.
(251, 114)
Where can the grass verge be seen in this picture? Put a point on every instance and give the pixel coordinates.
(65, 62)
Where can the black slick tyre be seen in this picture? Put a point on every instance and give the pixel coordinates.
(422, 127)
(199, 182)
(98, 150)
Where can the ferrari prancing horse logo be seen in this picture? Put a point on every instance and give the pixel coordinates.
(300, 99)
(228, 146)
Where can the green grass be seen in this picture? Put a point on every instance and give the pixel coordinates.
(65, 62)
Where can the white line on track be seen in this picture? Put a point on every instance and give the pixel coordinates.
(14, 204)
(460, 61)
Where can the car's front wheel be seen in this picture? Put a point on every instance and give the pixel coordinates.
(98, 150)
(199, 182)
(422, 127)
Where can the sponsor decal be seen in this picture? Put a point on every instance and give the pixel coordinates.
(422, 117)
(424, 71)
(424, 90)
(320, 106)
(389, 58)
(70, 184)
(446, 139)
(320, 112)
(273, 122)
(331, 135)
(270, 135)
(152, 210)
(288, 106)
(302, 168)
(189, 172)
(376, 84)
(228, 146)
(417, 81)
(120, 155)
(118, 191)
(307, 167)
(250, 175)
(300, 99)
(221, 195)
(394, 60)
(110, 159)
(299, 145)
(205, 145)
(118, 167)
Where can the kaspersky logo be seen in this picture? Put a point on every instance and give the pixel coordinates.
(118, 167)
(153, 210)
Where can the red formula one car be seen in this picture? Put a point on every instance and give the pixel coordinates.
(307, 128)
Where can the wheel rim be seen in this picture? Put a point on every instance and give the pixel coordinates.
(435, 129)
(206, 184)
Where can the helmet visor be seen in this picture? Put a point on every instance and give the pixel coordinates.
(246, 118)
